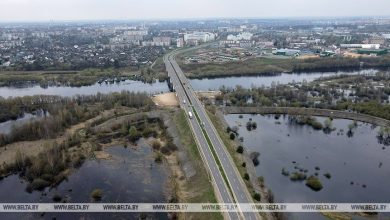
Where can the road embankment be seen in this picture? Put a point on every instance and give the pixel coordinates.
(307, 111)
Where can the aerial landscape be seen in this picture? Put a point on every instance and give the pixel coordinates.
(170, 109)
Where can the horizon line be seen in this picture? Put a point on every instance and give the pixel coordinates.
(195, 19)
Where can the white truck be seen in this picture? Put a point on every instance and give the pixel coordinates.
(190, 114)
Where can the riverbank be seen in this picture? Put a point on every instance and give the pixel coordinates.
(273, 66)
(78, 78)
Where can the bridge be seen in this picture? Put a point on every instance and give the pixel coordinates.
(228, 184)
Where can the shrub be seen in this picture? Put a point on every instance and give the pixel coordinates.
(327, 175)
(156, 145)
(38, 184)
(133, 134)
(97, 194)
(297, 176)
(285, 172)
(171, 146)
(158, 158)
(240, 149)
(314, 183)
(246, 176)
(251, 125)
(232, 136)
(149, 132)
(228, 129)
(57, 197)
(165, 151)
(261, 181)
(257, 197)
(243, 164)
(254, 156)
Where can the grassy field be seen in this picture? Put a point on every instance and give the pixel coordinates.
(199, 187)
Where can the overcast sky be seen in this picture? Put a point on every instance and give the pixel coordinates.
(45, 10)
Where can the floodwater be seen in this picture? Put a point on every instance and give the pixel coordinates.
(128, 85)
(130, 176)
(6, 127)
(159, 87)
(359, 165)
(258, 81)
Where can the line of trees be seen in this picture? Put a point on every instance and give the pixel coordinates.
(363, 97)
(64, 112)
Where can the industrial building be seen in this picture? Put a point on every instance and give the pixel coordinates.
(287, 52)
(363, 46)
(199, 37)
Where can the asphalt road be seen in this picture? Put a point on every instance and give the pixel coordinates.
(188, 100)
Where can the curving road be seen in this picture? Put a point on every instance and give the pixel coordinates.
(189, 101)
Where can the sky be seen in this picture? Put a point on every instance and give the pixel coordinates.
(65, 10)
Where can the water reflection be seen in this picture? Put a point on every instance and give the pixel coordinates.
(359, 165)
(258, 81)
(128, 85)
(131, 175)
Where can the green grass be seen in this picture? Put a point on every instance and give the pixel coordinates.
(199, 186)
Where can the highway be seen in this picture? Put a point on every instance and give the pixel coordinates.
(189, 102)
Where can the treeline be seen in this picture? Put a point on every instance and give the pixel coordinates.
(366, 99)
(339, 63)
(268, 66)
(49, 167)
(64, 112)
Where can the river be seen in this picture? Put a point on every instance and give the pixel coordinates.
(129, 85)
(258, 81)
(159, 87)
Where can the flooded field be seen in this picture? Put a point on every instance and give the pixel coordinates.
(258, 81)
(351, 167)
(129, 175)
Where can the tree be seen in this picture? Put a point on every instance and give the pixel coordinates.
(257, 197)
(116, 64)
(232, 136)
(97, 194)
(124, 129)
(328, 123)
(240, 149)
(228, 130)
(133, 134)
